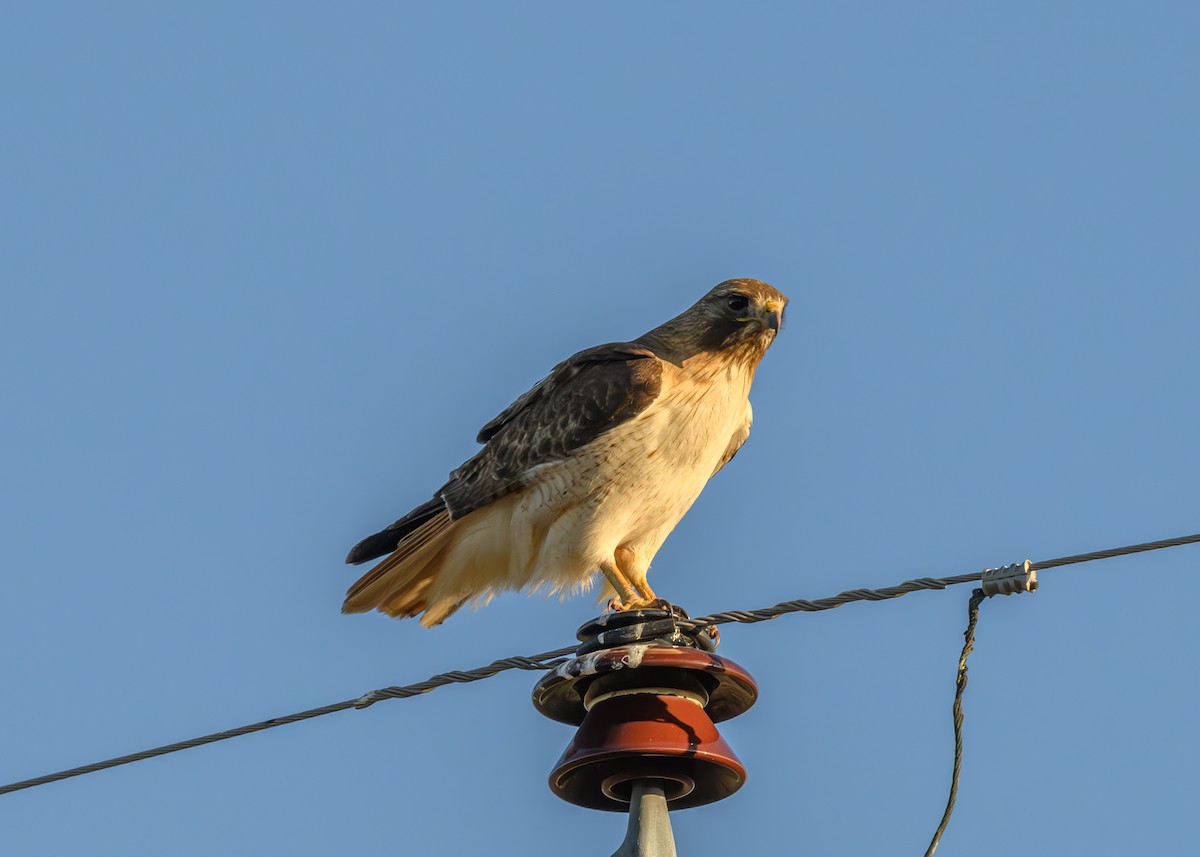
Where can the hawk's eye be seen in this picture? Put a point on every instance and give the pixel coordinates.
(737, 303)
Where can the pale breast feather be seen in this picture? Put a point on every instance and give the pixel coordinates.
(740, 435)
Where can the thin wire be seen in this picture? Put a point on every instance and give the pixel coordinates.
(805, 606)
(1111, 552)
(960, 685)
(549, 660)
(542, 662)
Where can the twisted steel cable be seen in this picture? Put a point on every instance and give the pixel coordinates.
(542, 662)
(551, 659)
(802, 605)
(960, 684)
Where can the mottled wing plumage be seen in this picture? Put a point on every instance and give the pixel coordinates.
(581, 399)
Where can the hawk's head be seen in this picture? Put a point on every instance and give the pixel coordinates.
(737, 319)
(739, 315)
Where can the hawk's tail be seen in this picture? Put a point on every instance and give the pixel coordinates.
(385, 541)
(399, 586)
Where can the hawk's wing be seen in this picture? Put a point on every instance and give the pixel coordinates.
(583, 397)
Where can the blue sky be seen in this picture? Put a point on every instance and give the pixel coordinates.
(268, 268)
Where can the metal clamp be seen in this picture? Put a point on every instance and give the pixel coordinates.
(1010, 579)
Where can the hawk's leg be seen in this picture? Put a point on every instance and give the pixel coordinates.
(634, 571)
(625, 594)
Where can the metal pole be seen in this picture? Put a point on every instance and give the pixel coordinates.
(649, 833)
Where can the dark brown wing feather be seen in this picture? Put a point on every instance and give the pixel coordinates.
(583, 397)
(386, 541)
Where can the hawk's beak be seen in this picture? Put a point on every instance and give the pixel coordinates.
(773, 315)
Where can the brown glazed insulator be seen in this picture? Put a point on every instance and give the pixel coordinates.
(559, 695)
(647, 736)
(646, 712)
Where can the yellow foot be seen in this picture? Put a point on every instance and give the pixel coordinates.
(616, 605)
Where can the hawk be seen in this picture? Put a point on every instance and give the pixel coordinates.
(588, 471)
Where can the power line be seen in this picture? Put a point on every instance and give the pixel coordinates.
(960, 685)
(551, 659)
(804, 606)
(1111, 552)
(541, 663)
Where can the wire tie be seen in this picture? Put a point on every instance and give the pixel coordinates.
(1010, 579)
(367, 699)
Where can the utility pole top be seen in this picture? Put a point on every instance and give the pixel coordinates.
(649, 833)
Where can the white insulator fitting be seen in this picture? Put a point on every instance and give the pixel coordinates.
(1010, 579)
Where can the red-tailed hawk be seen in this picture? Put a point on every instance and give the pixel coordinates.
(588, 471)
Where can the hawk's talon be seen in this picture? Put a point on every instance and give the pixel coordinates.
(617, 605)
(674, 609)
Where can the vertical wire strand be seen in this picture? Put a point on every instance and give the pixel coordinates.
(960, 685)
